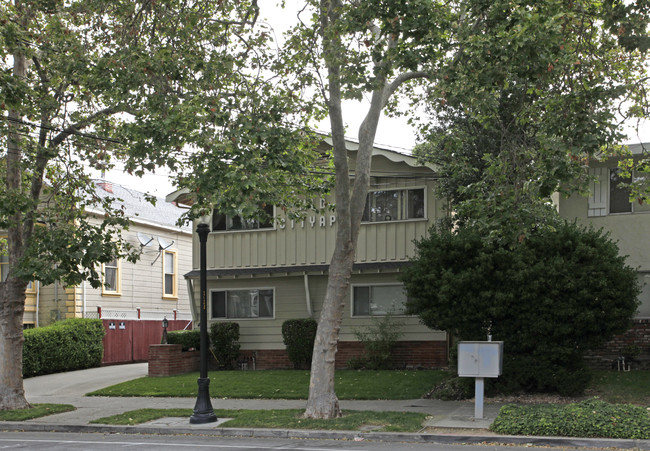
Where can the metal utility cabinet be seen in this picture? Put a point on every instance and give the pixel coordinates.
(480, 359)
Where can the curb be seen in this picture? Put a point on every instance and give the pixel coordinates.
(15, 426)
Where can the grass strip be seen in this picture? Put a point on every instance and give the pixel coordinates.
(36, 411)
(283, 384)
(352, 420)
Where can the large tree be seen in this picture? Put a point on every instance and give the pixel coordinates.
(88, 83)
(537, 89)
(436, 53)
(550, 299)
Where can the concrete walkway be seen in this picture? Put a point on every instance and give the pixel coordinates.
(450, 421)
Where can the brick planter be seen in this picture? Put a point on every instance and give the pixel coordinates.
(169, 360)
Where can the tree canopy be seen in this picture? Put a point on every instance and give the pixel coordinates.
(177, 83)
(534, 90)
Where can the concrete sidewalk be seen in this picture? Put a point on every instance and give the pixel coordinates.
(450, 421)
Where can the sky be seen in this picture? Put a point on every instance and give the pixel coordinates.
(392, 132)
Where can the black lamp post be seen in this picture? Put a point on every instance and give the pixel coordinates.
(203, 412)
(165, 323)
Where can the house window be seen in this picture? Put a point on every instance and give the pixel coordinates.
(4, 267)
(170, 280)
(31, 287)
(221, 222)
(377, 300)
(394, 205)
(619, 196)
(112, 277)
(608, 196)
(254, 303)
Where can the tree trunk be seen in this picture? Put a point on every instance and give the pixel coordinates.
(12, 291)
(323, 402)
(12, 306)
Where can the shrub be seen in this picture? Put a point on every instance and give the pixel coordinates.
(298, 336)
(549, 298)
(378, 341)
(224, 337)
(590, 418)
(67, 345)
(186, 338)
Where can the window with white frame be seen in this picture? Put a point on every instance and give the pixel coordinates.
(4, 267)
(112, 277)
(609, 195)
(242, 304)
(170, 279)
(221, 222)
(378, 300)
(394, 205)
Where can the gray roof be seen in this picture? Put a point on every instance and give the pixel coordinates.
(137, 208)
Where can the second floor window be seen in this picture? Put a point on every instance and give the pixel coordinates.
(169, 275)
(619, 197)
(112, 277)
(4, 267)
(221, 222)
(394, 205)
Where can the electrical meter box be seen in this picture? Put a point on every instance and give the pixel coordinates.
(480, 358)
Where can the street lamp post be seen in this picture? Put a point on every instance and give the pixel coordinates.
(203, 412)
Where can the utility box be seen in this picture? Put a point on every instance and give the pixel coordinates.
(480, 358)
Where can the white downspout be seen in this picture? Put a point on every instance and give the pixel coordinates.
(190, 291)
(38, 298)
(83, 298)
(307, 297)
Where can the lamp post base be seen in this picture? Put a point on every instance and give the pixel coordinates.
(203, 412)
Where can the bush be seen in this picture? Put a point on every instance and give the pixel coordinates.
(298, 336)
(224, 337)
(591, 418)
(453, 389)
(188, 339)
(67, 345)
(378, 341)
(549, 298)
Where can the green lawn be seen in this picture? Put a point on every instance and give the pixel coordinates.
(284, 419)
(621, 387)
(283, 384)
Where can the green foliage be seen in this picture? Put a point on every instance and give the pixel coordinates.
(224, 337)
(378, 341)
(549, 298)
(298, 336)
(514, 124)
(67, 345)
(453, 388)
(186, 338)
(590, 418)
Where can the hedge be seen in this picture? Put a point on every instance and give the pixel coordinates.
(298, 336)
(68, 345)
(186, 338)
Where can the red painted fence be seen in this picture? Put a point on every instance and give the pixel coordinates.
(128, 341)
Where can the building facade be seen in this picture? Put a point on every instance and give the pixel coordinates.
(608, 207)
(151, 288)
(261, 274)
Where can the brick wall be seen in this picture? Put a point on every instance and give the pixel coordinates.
(638, 334)
(407, 354)
(168, 360)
